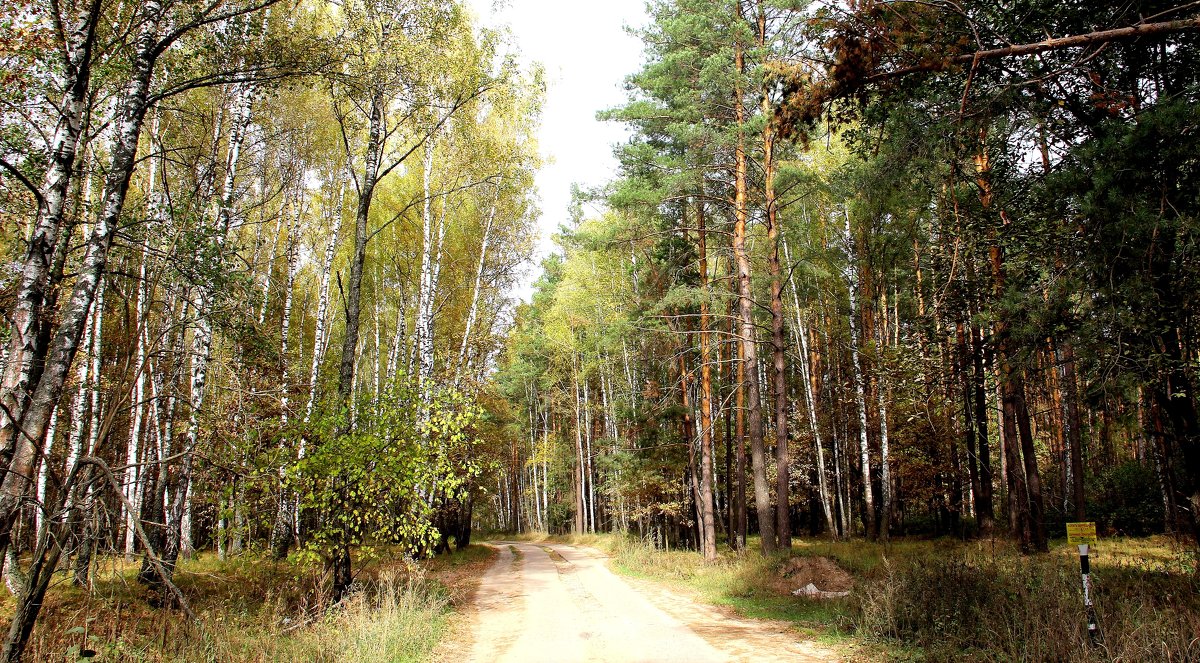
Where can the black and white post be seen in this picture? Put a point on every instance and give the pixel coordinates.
(1086, 571)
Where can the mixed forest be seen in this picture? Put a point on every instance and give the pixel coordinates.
(870, 269)
(875, 269)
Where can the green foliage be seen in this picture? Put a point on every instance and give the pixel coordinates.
(378, 481)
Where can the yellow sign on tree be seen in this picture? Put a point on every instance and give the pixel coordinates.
(1081, 533)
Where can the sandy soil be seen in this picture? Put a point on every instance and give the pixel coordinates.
(553, 602)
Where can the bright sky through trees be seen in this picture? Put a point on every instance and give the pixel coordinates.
(587, 52)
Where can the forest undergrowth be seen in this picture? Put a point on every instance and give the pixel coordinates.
(254, 609)
(949, 600)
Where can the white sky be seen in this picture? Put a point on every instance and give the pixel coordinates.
(587, 53)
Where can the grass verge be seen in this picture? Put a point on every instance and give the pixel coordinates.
(949, 600)
(253, 609)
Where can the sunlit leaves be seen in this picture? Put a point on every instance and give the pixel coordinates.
(381, 482)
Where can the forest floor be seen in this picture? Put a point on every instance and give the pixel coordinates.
(254, 609)
(560, 603)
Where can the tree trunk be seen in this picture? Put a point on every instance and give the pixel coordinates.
(22, 373)
(859, 388)
(339, 560)
(473, 311)
(985, 502)
(762, 496)
(1073, 426)
(885, 474)
(281, 530)
(742, 525)
(1026, 503)
(202, 337)
(424, 331)
(132, 475)
(969, 427)
(708, 533)
(580, 492)
(32, 417)
(783, 525)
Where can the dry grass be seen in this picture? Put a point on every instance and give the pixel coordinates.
(253, 609)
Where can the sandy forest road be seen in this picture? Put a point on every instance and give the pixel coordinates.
(552, 602)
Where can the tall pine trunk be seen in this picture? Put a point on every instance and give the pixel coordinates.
(758, 461)
(1024, 483)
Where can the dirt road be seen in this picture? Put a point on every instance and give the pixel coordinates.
(551, 602)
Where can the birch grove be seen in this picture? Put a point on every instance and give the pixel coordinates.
(174, 320)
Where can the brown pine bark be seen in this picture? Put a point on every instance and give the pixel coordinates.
(783, 525)
(687, 428)
(762, 497)
(1025, 490)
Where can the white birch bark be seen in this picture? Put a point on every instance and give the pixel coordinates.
(590, 479)
(885, 473)
(288, 297)
(487, 228)
(32, 415)
(79, 404)
(859, 391)
(39, 515)
(285, 520)
(44, 235)
(94, 378)
(546, 471)
(581, 499)
(187, 549)
(397, 337)
(321, 335)
(266, 282)
(425, 292)
(132, 475)
(376, 323)
(202, 333)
